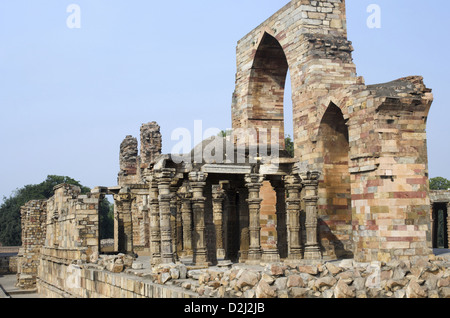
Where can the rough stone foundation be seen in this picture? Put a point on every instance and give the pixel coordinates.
(109, 278)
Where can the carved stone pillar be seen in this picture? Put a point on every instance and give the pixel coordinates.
(197, 183)
(232, 233)
(311, 184)
(186, 218)
(174, 219)
(432, 230)
(124, 234)
(270, 250)
(448, 223)
(243, 222)
(155, 232)
(254, 184)
(218, 196)
(164, 178)
(293, 187)
(145, 223)
(282, 243)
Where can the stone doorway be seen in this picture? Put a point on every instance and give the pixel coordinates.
(440, 225)
(106, 224)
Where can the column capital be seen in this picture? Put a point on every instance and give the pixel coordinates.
(253, 201)
(185, 196)
(254, 178)
(165, 197)
(310, 176)
(292, 180)
(165, 174)
(123, 197)
(311, 199)
(198, 176)
(218, 194)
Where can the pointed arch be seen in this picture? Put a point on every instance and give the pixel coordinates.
(266, 87)
(335, 190)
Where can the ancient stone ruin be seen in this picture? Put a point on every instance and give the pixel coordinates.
(354, 198)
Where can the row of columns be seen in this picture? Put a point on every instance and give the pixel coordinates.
(192, 208)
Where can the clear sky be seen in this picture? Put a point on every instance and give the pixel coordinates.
(69, 96)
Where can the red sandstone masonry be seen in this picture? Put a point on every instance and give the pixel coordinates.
(386, 123)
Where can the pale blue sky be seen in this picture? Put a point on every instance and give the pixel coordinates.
(68, 97)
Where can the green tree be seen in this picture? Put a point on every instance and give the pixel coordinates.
(439, 183)
(10, 227)
(106, 219)
(225, 133)
(289, 144)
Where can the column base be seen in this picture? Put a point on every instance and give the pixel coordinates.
(243, 256)
(224, 263)
(254, 257)
(167, 260)
(200, 258)
(312, 252)
(187, 260)
(155, 260)
(270, 256)
(220, 254)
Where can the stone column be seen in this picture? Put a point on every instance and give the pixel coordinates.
(448, 223)
(243, 222)
(270, 250)
(293, 187)
(254, 184)
(164, 178)
(432, 231)
(311, 184)
(155, 232)
(282, 243)
(186, 217)
(198, 183)
(218, 196)
(174, 211)
(124, 234)
(145, 226)
(232, 233)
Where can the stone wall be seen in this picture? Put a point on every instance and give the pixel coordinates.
(8, 259)
(72, 233)
(151, 144)
(72, 221)
(105, 278)
(8, 264)
(128, 161)
(33, 216)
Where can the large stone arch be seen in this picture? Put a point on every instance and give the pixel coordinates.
(266, 87)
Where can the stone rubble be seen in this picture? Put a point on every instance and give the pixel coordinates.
(338, 279)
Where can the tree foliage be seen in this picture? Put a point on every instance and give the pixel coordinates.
(439, 183)
(10, 227)
(289, 145)
(106, 219)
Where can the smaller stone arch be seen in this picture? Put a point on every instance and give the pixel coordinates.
(334, 206)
